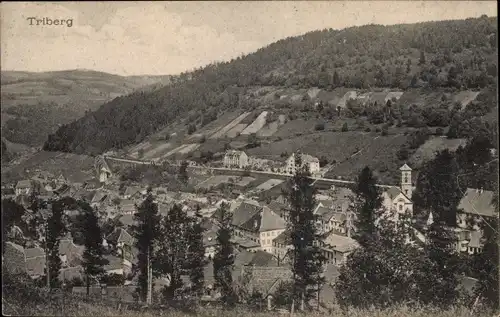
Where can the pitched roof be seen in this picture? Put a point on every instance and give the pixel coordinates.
(132, 190)
(261, 258)
(119, 235)
(67, 274)
(233, 153)
(266, 279)
(126, 220)
(36, 265)
(340, 243)
(476, 202)
(73, 252)
(475, 239)
(34, 252)
(244, 212)
(405, 167)
(270, 220)
(393, 192)
(284, 238)
(26, 183)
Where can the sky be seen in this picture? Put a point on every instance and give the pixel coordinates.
(162, 38)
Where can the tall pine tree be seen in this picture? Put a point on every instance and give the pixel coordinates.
(367, 204)
(223, 258)
(145, 233)
(172, 254)
(439, 192)
(196, 254)
(307, 258)
(55, 231)
(93, 260)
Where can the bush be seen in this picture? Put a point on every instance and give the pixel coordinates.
(368, 129)
(319, 126)
(378, 130)
(385, 131)
(439, 131)
(345, 128)
(323, 161)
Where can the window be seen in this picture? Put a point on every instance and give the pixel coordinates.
(400, 207)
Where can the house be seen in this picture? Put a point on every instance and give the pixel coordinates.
(102, 169)
(119, 237)
(127, 207)
(133, 192)
(475, 204)
(271, 226)
(24, 187)
(115, 265)
(265, 280)
(282, 246)
(397, 200)
(237, 159)
(70, 254)
(311, 162)
(335, 248)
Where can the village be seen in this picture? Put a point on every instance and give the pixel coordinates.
(259, 220)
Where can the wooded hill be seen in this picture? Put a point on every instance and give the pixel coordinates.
(36, 104)
(419, 59)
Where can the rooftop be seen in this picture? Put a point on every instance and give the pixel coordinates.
(478, 202)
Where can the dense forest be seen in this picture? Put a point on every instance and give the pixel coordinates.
(453, 55)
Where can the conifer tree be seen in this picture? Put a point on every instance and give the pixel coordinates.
(55, 231)
(93, 260)
(439, 192)
(487, 262)
(223, 258)
(145, 232)
(307, 258)
(196, 254)
(367, 204)
(183, 174)
(172, 253)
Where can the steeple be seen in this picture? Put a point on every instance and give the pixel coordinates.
(406, 186)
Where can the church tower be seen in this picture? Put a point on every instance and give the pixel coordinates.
(406, 187)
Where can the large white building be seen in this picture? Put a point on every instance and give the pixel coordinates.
(237, 159)
(311, 162)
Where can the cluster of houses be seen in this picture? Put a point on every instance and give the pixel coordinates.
(260, 236)
(240, 160)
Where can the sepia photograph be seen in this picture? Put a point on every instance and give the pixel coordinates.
(250, 158)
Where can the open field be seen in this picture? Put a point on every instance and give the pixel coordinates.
(220, 133)
(428, 150)
(74, 167)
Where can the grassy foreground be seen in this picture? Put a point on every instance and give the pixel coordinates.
(74, 307)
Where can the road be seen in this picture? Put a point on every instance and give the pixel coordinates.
(321, 182)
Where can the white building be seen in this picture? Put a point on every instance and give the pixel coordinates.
(311, 162)
(397, 200)
(237, 159)
(24, 187)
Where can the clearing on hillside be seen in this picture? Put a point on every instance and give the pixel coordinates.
(255, 126)
(428, 150)
(220, 133)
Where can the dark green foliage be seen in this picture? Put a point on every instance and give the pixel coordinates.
(253, 141)
(385, 272)
(224, 259)
(345, 128)
(171, 258)
(183, 173)
(307, 258)
(219, 88)
(438, 189)
(12, 214)
(421, 61)
(113, 279)
(93, 260)
(323, 161)
(145, 232)
(196, 254)
(319, 126)
(367, 204)
(487, 262)
(55, 231)
(191, 129)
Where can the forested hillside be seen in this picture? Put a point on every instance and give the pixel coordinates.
(419, 59)
(36, 104)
